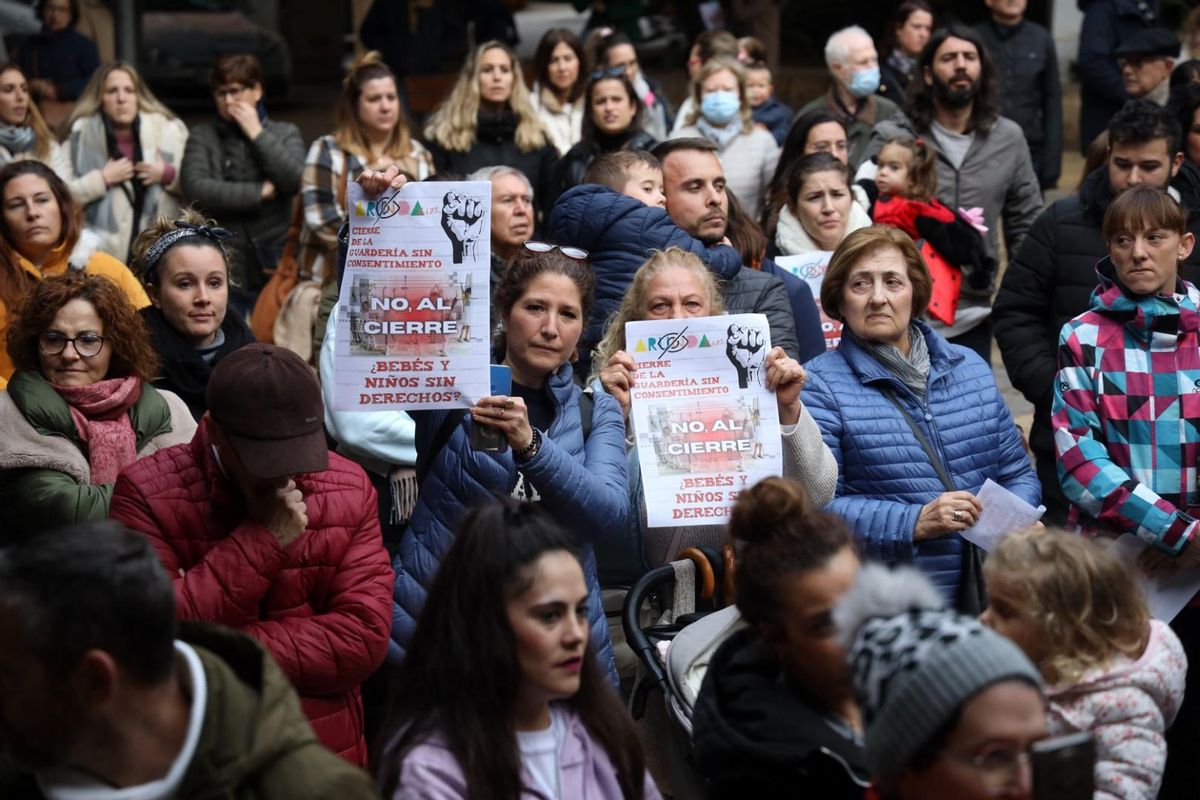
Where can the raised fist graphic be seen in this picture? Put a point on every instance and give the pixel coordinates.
(747, 351)
(462, 220)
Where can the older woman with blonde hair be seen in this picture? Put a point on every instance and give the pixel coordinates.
(127, 148)
(675, 284)
(721, 113)
(917, 424)
(488, 119)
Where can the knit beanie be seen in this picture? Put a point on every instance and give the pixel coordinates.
(914, 664)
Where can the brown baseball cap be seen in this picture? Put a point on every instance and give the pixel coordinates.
(267, 402)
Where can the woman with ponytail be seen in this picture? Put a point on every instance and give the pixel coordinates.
(776, 714)
(372, 133)
(503, 695)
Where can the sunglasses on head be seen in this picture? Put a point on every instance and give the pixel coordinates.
(575, 253)
(607, 72)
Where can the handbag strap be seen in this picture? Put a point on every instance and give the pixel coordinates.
(934, 458)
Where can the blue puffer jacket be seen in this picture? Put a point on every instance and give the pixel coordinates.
(885, 476)
(585, 487)
(619, 232)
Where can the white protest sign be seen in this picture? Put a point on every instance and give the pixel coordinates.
(707, 427)
(811, 268)
(413, 314)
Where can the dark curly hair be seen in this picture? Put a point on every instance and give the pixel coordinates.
(132, 352)
(527, 266)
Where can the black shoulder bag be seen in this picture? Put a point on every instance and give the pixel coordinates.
(972, 595)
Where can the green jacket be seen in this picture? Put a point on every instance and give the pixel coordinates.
(255, 743)
(45, 480)
(222, 175)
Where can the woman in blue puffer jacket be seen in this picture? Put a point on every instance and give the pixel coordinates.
(889, 489)
(542, 302)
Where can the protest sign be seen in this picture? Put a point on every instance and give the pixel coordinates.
(413, 318)
(706, 425)
(810, 268)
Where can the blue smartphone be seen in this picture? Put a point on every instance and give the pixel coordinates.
(486, 439)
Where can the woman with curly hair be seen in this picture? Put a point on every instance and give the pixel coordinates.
(126, 147)
(40, 235)
(80, 407)
(488, 119)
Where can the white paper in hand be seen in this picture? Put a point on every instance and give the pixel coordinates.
(1003, 513)
(1166, 597)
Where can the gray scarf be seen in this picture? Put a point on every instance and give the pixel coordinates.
(16, 139)
(913, 371)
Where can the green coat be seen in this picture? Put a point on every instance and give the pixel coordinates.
(255, 743)
(45, 480)
(222, 175)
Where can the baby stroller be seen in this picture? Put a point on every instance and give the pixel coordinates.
(674, 649)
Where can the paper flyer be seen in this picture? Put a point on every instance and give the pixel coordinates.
(1166, 597)
(706, 425)
(810, 268)
(1003, 513)
(413, 316)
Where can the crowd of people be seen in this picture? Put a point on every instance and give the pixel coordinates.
(214, 582)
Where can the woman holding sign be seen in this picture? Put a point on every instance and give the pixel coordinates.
(557, 448)
(917, 424)
(674, 284)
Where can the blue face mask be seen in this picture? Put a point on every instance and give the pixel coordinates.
(865, 82)
(720, 107)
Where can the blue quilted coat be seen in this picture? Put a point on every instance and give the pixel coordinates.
(884, 475)
(584, 487)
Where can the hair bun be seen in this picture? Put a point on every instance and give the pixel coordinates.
(764, 507)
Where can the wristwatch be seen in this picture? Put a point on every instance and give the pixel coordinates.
(530, 450)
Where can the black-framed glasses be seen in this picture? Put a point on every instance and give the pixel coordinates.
(576, 253)
(607, 72)
(87, 345)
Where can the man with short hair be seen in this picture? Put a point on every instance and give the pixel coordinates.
(1030, 93)
(1051, 276)
(104, 697)
(512, 214)
(694, 185)
(1146, 60)
(264, 530)
(854, 78)
(982, 159)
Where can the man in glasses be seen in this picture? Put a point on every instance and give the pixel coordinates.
(264, 530)
(1146, 61)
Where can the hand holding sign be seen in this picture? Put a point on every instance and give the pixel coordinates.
(462, 220)
(744, 347)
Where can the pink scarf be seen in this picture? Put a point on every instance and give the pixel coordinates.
(100, 412)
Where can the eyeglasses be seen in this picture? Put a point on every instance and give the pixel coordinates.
(228, 91)
(87, 345)
(607, 72)
(575, 253)
(999, 769)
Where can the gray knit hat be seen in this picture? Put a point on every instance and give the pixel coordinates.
(915, 663)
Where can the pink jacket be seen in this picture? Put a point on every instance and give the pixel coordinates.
(1128, 706)
(431, 772)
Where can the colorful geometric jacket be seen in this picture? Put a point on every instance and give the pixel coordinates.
(1126, 413)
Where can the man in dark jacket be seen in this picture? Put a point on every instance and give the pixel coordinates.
(694, 184)
(1030, 94)
(1050, 279)
(244, 170)
(1106, 24)
(103, 694)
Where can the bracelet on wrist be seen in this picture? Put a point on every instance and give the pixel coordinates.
(530, 450)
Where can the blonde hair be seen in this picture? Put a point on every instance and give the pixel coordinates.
(712, 67)
(349, 134)
(161, 226)
(452, 125)
(1082, 598)
(43, 138)
(91, 99)
(632, 306)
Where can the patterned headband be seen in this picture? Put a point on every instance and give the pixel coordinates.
(183, 230)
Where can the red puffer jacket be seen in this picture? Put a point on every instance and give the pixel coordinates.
(322, 607)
